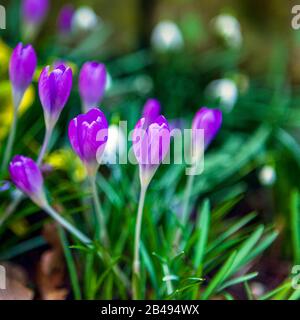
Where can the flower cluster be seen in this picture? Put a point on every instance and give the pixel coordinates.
(89, 134)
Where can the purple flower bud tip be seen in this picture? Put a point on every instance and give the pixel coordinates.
(4, 186)
(92, 83)
(22, 67)
(150, 145)
(27, 176)
(88, 135)
(209, 120)
(151, 110)
(54, 91)
(35, 11)
(65, 19)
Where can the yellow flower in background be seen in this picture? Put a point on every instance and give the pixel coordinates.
(65, 159)
(5, 52)
(6, 107)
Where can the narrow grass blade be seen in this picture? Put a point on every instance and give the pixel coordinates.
(219, 277)
(295, 226)
(238, 280)
(70, 264)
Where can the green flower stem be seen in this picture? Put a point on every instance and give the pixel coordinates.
(136, 260)
(84, 239)
(103, 236)
(46, 141)
(185, 208)
(67, 225)
(17, 98)
(99, 214)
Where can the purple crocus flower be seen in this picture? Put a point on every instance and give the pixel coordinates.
(151, 110)
(27, 176)
(35, 11)
(150, 145)
(209, 120)
(88, 135)
(54, 91)
(65, 17)
(92, 82)
(21, 69)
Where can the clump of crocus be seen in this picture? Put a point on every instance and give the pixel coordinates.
(151, 143)
(33, 13)
(54, 91)
(64, 21)
(27, 177)
(21, 70)
(92, 83)
(88, 135)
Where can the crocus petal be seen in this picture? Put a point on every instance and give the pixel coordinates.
(88, 135)
(22, 67)
(92, 83)
(151, 145)
(34, 11)
(65, 19)
(151, 110)
(209, 120)
(54, 91)
(26, 175)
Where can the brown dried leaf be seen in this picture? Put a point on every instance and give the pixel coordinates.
(16, 283)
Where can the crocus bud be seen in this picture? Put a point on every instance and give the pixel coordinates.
(151, 111)
(88, 136)
(150, 145)
(21, 70)
(34, 11)
(54, 91)
(92, 83)
(210, 121)
(65, 17)
(27, 177)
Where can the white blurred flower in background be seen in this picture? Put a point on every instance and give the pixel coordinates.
(267, 175)
(115, 146)
(167, 36)
(85, 19)
(228, 28)
(224, 90)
